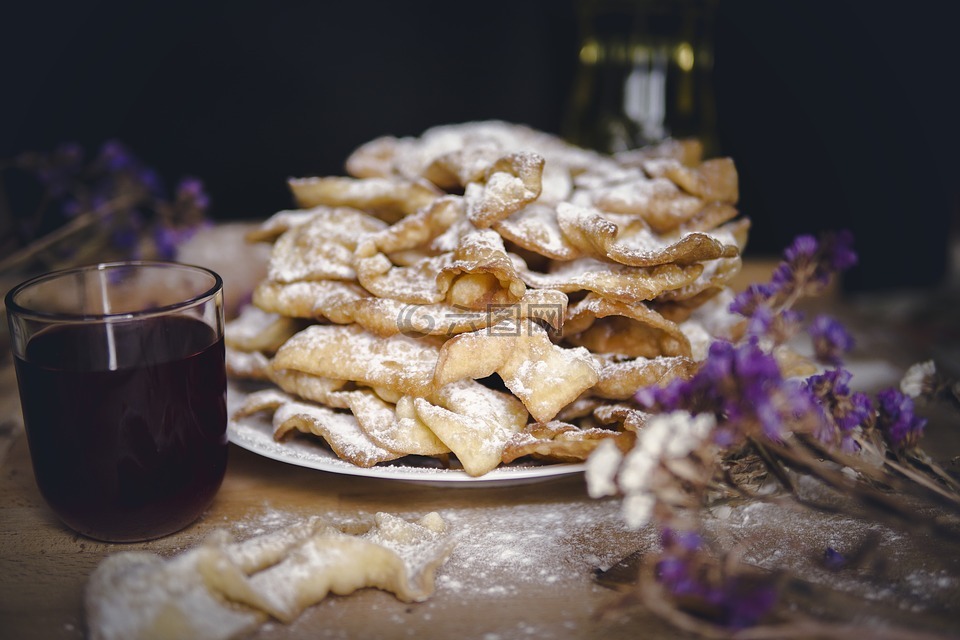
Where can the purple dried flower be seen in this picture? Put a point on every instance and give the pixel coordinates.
(842, 410)
(835, 254)
(676, 570)
(831, 341)
(686, 540)
(126, 196)
(752, 298)
(803, 248)
(122, 173)
(115, 157)
(774, 328)
(191, 193)
(783, 278)
(150, 181)
(753, 364)
(761, 321)
(748, 601)
(735, 601)
(861, 409)
(838, 250)
(168, 239)
(127, 236)
(61, 169)
(807, 267)
(833, 559)
(896, 420)
(743, 387)
(787, 325)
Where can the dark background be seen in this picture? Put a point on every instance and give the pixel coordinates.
(838, 114)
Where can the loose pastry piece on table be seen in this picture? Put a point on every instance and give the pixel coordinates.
(225, 589)
(488, 291)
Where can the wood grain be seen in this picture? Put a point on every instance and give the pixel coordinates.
(45, 566)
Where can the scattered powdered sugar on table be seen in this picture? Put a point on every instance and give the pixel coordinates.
(796, 540)
(550, 547)
(263, 521)
(501, 550)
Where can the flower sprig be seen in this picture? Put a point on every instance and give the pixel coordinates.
(113, 193)
(719, 592)
(808, 267)
(867, 449)
(743, 388)
(841, 410)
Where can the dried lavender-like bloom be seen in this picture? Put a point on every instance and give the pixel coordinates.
(120, 172)
(808, 266)
(803, 249)
(743, 388)
(752, 298)
(838, 253)
(831, 341)
(114, 156)
(833, 559)
(735, 601)
(799, 262)
(771, 329)
(127, 237)
(900, 427)
(61, 169)
(675, 570)
(168, 238)
(192, 195)
(842, 410)
(180, 221)
(919, 380)
(126, 196)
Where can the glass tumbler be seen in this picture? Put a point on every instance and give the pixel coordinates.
(120, 368)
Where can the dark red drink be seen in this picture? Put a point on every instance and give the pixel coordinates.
(133, 448)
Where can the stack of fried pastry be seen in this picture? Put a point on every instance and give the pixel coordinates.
(488, 291)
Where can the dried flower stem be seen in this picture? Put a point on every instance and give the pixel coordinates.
(659, 601)
(82, 221)
(884, 506)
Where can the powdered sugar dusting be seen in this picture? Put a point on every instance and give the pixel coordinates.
(341, 430)
(794, 539)
(640, 195)
(535, 227)
(502, 550)
(251, 322)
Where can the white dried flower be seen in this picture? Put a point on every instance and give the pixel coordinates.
(637, 509)
(919, 379)
(665, 437)
(602, 467)
(637, 468)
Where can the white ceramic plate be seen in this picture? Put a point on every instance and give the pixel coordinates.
(255, 434)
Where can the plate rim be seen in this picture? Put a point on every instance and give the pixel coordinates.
(327, 461)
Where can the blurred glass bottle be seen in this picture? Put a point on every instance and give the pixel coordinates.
(645, 73)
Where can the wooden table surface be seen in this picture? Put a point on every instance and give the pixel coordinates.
(523, 568)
